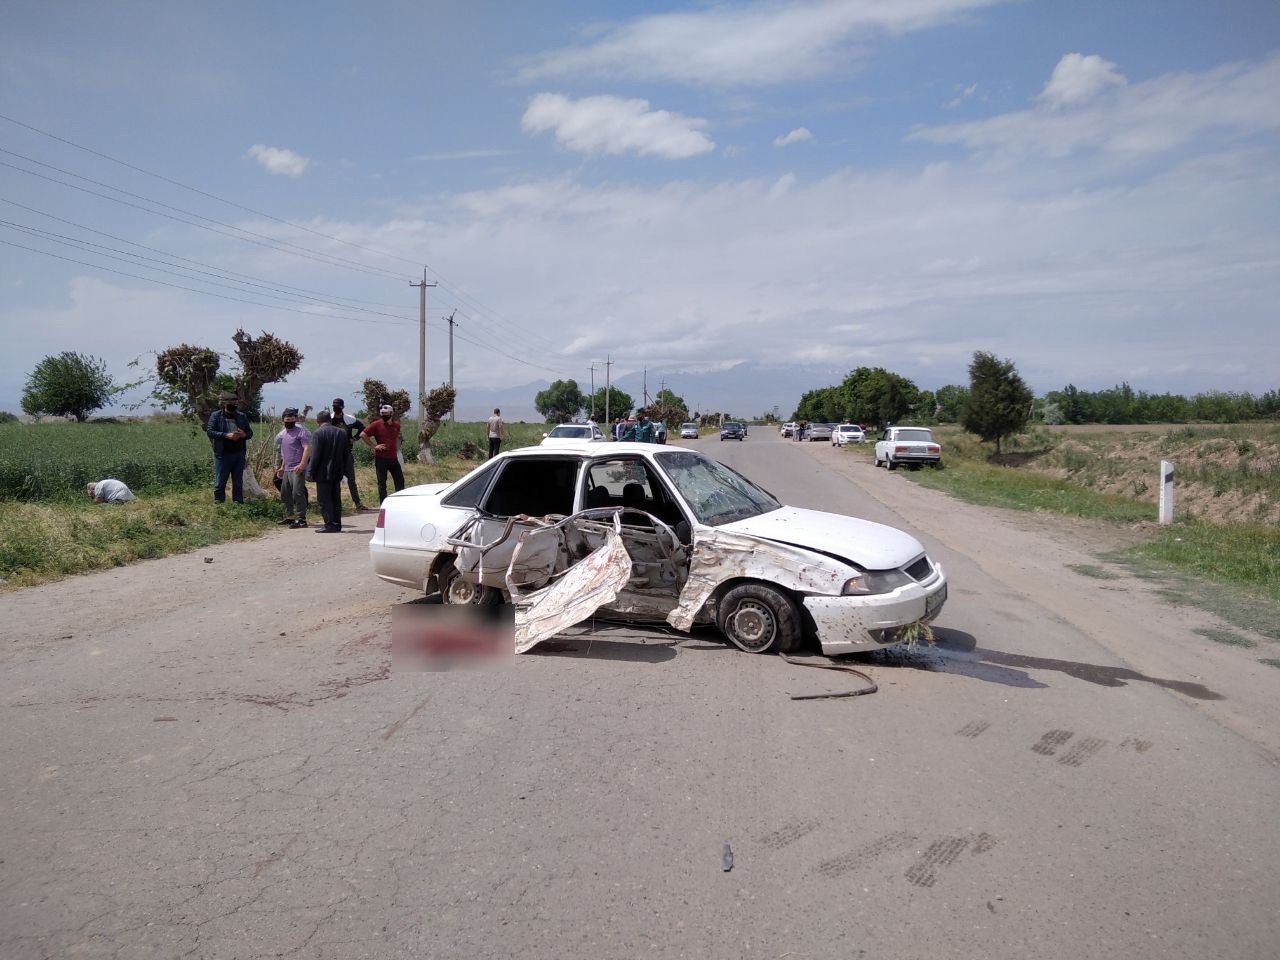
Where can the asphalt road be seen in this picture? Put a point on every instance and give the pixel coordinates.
(213, 759)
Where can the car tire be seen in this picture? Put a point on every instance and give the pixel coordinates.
(758, 618)
(877, 456)
(455, 590)
(890, 464)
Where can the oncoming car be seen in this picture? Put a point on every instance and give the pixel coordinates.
(688, 431)
(658, 534)
(571, 433)
(847, 433)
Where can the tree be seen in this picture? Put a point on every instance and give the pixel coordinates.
(188, 376)
(435, 407)
(560, 402)
(999, 400)
(951, 400)
(70, 384)
(873, 395)
(619, 404)
(376, 393)
(669, 409)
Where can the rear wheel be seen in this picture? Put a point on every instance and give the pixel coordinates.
(455, 590)
(890, 464)
(758, 618)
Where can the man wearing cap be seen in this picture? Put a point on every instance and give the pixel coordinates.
(230, 433)
(383, 435)
(294, 444)
(330, 448)
(353, 427)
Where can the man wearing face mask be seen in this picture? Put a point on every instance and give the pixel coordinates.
(294, 443)
(230, 433)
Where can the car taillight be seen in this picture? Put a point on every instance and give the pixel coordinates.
(382, 520)
(934, 449)
(901, 449)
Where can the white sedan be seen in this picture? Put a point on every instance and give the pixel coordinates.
(573, 433)
(847, 433)
(661, 534)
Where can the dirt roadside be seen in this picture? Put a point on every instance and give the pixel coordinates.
(1033, 554)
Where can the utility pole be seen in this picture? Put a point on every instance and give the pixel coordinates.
(453, 410)
(645, 387)
(593, 392)
(608, 388)
(422, 346)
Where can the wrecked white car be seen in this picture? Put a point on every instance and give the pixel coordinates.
(654, 534)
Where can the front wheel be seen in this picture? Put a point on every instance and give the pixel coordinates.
(758, 618)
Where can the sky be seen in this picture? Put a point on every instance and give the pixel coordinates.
(737, 201)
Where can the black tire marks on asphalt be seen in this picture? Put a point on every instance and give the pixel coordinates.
(1051, 741)
(1081, 751)
(944, 853)
(789, 834)
(867, 853)
(974, 728)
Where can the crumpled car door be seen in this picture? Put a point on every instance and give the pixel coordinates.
(584, 584)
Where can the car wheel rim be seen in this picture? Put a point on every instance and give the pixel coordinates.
(752, 626)
(460, 591)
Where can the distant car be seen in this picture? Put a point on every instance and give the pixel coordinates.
(570, 434)
(913, 446)
(818, 431)
(847, 433)
(688, 431)
(732, 431)
(789, 429)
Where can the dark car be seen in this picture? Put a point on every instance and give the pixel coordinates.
(732, 431)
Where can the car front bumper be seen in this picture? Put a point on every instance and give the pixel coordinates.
(851, 624)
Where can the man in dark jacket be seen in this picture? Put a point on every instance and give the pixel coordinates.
(353, 428)
(230, 433)
(330, 448)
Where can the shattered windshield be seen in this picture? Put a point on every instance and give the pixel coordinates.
(716, 494)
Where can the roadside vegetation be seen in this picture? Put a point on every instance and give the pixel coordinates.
(49, 529)
(1222, 553)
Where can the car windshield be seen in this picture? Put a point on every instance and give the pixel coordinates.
(850, 428)
(716, 494)
(925, 435)
(688, 426)
(577, 433)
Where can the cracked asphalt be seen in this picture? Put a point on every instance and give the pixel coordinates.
(215, 760)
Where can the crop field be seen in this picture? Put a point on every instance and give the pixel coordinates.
(54, 460)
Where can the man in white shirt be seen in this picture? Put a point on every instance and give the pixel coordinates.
(495, 433)
(109, 491)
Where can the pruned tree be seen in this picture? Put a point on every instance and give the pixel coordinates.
(669, 408)
(435, 407)
(376, 393)
(618, 403)
(67, 385)
(187, 376)
(999, 400)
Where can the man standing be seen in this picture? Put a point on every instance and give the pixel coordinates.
(644, 429)
(330, 448)
(383, 435)
(495, 433)
(294, 443)
(353, 427)
(230, 433)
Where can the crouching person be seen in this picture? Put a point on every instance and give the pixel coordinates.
(109, 491)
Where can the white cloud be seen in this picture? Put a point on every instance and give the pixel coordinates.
(1137, 120)
(798, 135)
(756, 44)
(1078, 78)
(962, 94)
(279, 161)
(612, 125)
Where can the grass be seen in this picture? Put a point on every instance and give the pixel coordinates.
(49, 529)
(1093, 570)
(1225, 636)
(1229, 568)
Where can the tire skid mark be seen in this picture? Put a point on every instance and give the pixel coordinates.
(1081, 751)
(1141, 746)
(1051, 741)
(983, 842)
(974, 728)
(940, 853)
(847, 862)
(789, 834)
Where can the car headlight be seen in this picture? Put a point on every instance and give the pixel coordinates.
(871, 582)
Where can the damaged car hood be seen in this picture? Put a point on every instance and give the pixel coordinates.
(872, 546)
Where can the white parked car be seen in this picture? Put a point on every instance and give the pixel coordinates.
(847, 433)
(913, 446)
(688, 431)
(573, 433)
(660, 534)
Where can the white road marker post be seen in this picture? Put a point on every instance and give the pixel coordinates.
(1166, 491)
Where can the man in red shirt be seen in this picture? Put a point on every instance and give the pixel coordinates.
(383, 436)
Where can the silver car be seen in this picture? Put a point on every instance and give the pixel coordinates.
(817, 431)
